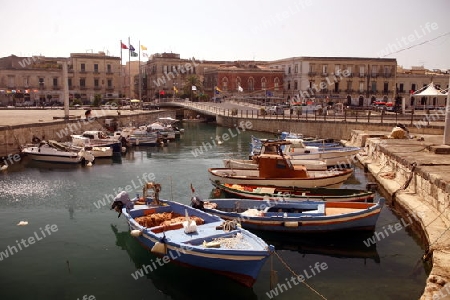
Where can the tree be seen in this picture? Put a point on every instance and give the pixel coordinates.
(192, 80)
(97, 100)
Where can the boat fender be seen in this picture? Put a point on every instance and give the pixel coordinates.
(160, 247)
(136, 233)
(291, 224)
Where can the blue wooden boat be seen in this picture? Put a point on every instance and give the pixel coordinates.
(188, 236)
(297, 216)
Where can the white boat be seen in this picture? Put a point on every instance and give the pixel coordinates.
(100, 139)
(52, 151)
(139, 136)
(277, 170)
(310, 164)
(80, 142)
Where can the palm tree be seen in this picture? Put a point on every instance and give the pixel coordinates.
(192, 80)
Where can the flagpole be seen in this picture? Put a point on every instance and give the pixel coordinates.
(129, 68)
(140, 79)
(120, 72)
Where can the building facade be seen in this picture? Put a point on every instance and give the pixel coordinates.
(92, 74)
(412, 80)
(245, 79)
(349, 80)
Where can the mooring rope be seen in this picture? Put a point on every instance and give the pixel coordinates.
(292, 271)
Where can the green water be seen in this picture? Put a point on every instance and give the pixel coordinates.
(91, 253)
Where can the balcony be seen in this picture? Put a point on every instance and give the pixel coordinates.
(362, 75)
(374, 75)
(324, 74)
(83, 71)
(312, 73)
(56, 87)
(97, 88)
(96, 72)
(109, 72)
(110, 88)
(83, 87)
(349, 91)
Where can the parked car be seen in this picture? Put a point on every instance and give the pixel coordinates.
(275, 110)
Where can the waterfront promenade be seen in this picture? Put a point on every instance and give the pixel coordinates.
(416, 172)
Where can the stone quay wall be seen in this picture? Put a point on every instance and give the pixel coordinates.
(12, 138)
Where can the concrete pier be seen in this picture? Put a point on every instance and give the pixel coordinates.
(417, 177)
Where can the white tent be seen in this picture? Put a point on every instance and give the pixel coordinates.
(433, 92)
(429, 90)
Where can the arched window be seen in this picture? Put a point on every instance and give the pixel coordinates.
(251, 84)
(224, 84)
(276, 83)
(263, 83)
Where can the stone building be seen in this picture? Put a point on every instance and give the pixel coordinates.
(245, 79)
(38, 80)
(349, 80)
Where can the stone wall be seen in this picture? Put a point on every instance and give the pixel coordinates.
(12, 138)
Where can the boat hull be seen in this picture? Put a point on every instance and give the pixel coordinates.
(187, 249)
(52, 155)
(276, 193)
(352, 216)
(329, 178)
(310, 164)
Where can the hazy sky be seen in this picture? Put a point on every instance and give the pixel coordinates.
(419, 31)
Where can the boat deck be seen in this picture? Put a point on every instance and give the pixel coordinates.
(331, 211)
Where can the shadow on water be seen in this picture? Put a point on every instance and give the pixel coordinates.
(338, 245)
(181, 282)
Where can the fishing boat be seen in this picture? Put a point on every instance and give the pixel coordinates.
(79, 142)
(277, 170)
(274, 193)
(296, 216)
(188, 236)
(52, 151)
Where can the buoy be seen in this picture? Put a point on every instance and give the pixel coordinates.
(136, 233)
(22, 223)
(89, 164)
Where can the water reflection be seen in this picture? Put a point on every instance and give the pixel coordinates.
(180, 282)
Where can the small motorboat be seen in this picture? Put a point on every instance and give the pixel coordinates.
(52, 151)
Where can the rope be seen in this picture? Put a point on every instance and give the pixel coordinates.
(292, 271)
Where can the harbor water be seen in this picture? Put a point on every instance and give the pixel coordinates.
(74, 246)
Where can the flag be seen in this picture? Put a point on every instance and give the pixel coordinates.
(132, 48)
(175, 89)
(143, 48)
(123, 46)
(269, 94)
(240, 89)
(217, 89)
(134, 54)
(161, 92)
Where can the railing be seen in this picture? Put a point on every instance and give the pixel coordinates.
(369, 115)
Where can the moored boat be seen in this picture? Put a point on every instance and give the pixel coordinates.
(277, 170)
(182, 234)
(274, 193)
(52, 151)
(297, 216)
(310, 164)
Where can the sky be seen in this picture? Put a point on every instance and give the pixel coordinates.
(416, 33)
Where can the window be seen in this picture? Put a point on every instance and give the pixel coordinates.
(295, 85)
(251, 86)
(361, 86)
(263, 83)
(95, 82)
(69, 82)
(362, 71)
(82, 82)
(109, 83)
(374, 86)
(324, 69)
(349, 70)
(387, 71)
(349, 85)
(336, 87)
(289, 70)
(225, 84)
(296, 69)
(96, 68)
(385, 87)
(401, 88)
(374, 71)
(311, 68)
(276, 83)
(108, 68)
(55, 81)
(25, 81)
(289, 85)
(337, 69)
(83, 67)
(413, 87)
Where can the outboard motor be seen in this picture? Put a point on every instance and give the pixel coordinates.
(120, 201)
(197, 203)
